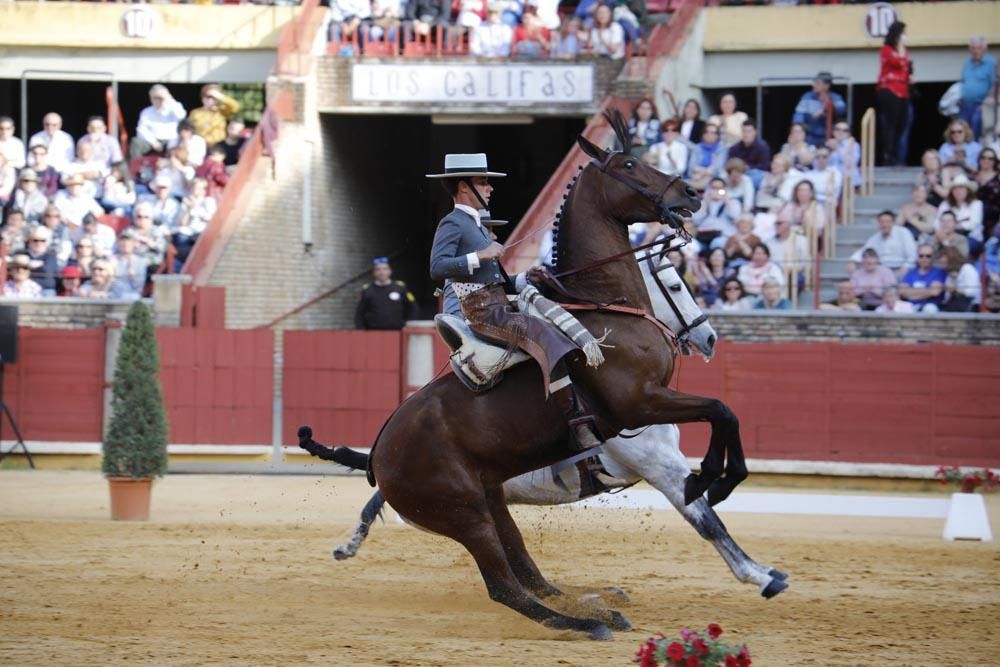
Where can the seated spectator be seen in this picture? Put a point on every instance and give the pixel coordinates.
(209, 120)
(510, 11)
(630, 15)
(566, 44)
(61, 146)
(107, 150)
(845, 300)
(709, 274)
(74, 203)
(894, 244)
(932, 177)
(754, 152)
(733, 297)
(471, 13)
(93, 171)
(8, 181)
(871, 280)
(102, 283)
(11, 147)
(917, 215)
(799, 152)
(739, 184)
(71, 280)
(671, 154)
(771, 297)
(716, 218)
(19, 283)
(827, 180)
(44, 265)
(775, 189)
(346, 17)
(165, 208)
(119, 191)
(101, 234)
(83, 257)
(28, 198)
(739, 247)
(643, 126)
(923, 285)
(960, 147)
(548, 12)
(190, 142)
(15, 230)
(213, 170)
(531, 39)
(130, 268)
(845, 153)
(386, 17)
(803, 211)
(947, 236)
(234, 142)
(967, 209)
(150, 240)
(789, 248)
(730, 122)
(708, 159)
(61, 242)
(157, 123)
(988, 180)
(493, 38)
(48, 178)
(176, 171)
(425, 14)
(962, 288)
(760, 266)
(815, 106)
(891, 303)
(693, 127)
(607, 38)
(197, 210)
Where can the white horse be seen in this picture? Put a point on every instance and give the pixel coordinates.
(652, 454)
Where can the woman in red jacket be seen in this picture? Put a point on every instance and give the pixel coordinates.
(893, 91)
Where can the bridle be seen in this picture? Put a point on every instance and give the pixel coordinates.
(655, 197)
(686, 327)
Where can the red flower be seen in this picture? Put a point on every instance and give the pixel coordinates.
(692, 661)
(700, 646)
(675, 651)
(714, 630)
(732, 661)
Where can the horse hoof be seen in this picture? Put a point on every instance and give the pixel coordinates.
(618, 622)
(601, 633)
(616, 595)
(777, 574)
(773, 588)
(719, 491)
(342, 553)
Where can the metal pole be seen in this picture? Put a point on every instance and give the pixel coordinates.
(24, 109)
(114, 116)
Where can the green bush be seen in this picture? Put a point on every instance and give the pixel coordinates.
(136, 442)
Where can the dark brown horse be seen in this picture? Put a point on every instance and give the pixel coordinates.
(442, 458)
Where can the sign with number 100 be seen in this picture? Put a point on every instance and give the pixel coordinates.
(138, 22)
(878, 18)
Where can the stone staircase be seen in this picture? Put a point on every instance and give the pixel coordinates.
(891, 190)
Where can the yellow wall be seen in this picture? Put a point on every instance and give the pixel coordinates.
(93, 25)
(775, 28)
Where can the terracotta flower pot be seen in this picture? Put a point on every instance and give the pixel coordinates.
(130, 498)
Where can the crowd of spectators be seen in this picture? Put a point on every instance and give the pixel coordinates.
(80, 220)
(494, 28)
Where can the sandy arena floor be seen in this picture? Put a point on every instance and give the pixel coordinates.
(237, 570)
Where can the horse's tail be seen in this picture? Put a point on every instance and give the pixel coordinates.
(345, 456)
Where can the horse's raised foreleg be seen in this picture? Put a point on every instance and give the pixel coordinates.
(371, 511)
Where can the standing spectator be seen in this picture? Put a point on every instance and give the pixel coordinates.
(894, 244)
(891, 303)
(102, 283)
(8, 181)
(845, 299)
(234, 142)
(717, 215)
(988, 179)
(28, 198)
(15, 230)
(923, 285)
(827, 180)
(607, 37)
(733, 296)
(150, 240)
(44, 265)
(707, 159)
(760, 266)
(671, 154)
(799, 151)
(819, 108)
(893, 90)
(731, 121)
(754, 152)
(384, 303)
(209, 120)
(492, 39)
(72, 278)
(74, 202)
(644, 126)
(945, 236)
(119, 191)
(60, 144)
(130, 268)
(739, 247)
(739, 184)
(871, 280)
(19, 283)
(157, 123)
(845, 153)
(11, 147)
(917, 215)
(531, 39)
(190, 142)
(959, 148)
(771, 297)
(979, 75)
(967, 209)
(107, 150)
(48, 177)
(692, 126)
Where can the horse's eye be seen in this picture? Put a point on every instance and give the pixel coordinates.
(629, 164)
(675, 288)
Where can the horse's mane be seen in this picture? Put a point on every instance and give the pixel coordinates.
(617, 122)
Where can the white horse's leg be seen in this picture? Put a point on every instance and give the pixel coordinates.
(371, 511)
(655, 454)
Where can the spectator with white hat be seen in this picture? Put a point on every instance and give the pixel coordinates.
(19, 283)
(44, 264)
(74, 202)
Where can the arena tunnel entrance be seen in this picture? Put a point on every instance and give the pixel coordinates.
(384, 158)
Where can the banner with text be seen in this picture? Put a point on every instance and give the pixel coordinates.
(504, 84)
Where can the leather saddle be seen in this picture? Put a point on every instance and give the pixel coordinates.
(477, 363)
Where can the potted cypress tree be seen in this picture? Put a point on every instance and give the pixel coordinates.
(135, 447)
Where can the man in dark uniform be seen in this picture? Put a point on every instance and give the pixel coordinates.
(385, 303)
(465, 253)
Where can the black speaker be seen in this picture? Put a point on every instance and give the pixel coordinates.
(8, 334)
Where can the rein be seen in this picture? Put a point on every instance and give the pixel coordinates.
(616, 256)
(686, 327)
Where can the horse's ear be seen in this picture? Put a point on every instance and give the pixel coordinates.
(618, 124)
(590, 149)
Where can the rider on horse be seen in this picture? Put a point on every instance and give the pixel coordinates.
(465, 253)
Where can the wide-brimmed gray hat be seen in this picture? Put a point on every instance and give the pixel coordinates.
(457, 165)
(487, 220)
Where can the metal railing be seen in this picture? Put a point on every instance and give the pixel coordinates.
(61, 74)
(867, 152)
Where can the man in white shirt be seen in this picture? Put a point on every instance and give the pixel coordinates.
(74, 203)
(670, 155)
(62, 148)
(11, 147)
(107, 150)
(894, 244)
(492, 38)
(157, 123)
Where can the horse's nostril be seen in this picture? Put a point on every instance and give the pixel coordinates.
(691, 192)
(711, 341)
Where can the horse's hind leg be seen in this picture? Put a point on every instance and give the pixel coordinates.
(371, 511)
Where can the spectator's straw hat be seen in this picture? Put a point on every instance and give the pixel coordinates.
(28, 174)
(20, 260)
(963, 181)
(457, 165)
(487, 221)
(825, 77)
(73, 179)
(72, 272)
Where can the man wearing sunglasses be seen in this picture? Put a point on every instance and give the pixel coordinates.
(923, 286)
